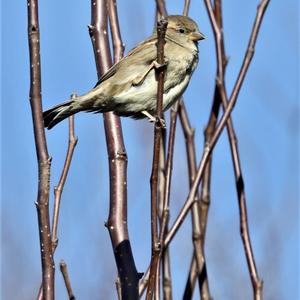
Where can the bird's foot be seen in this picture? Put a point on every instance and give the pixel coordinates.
(160, 122)
(151, 118)
(157, 120)
(158, 66)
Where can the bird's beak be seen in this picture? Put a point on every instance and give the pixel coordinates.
(196, 36)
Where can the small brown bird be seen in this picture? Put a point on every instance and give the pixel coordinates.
(129, 88)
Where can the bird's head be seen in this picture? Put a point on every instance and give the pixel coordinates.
(183, 29)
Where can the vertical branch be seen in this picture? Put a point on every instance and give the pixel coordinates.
(186, 7)
(198, 238)
(65, 274)
(59, 188)
(164, 253)
(199, 208)
(43, 159)
(216, 21)
(161, 30)
(161, 8)
(117, 220)
(222, 123)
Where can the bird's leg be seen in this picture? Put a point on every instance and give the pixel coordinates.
(152, 119)
(140, 79)
(149, 116)
(158, 65)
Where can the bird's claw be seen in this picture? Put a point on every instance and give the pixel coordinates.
(158, 66)
(160, 122)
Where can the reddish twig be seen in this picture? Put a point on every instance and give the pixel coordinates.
(161, 8)
(65, 274)
(118, 45)
(59, 188)
(198, 237)
(221, 62)
(117, 220)
(164, 253)
(186, 7)
(231, 103)
(161, 30)
(191, 280)
(118, 288)
(43, 159)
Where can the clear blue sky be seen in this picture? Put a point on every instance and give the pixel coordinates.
(266, 119)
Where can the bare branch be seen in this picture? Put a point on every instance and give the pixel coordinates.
(186, 7)
(117, 220)
(161, 8)
(216, 21)
(65, 274)
(209, 146)
(161, 30)
(118, 287)
(118, 45)
(59, 188)
(198, 237)
(44, 161)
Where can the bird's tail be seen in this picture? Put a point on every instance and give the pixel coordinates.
(60, 112)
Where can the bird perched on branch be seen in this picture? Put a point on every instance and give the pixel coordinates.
(129, 88)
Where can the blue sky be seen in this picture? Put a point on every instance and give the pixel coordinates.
(266, 120)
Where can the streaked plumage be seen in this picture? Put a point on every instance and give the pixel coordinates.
(129, 88)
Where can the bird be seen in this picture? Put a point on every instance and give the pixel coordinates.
(129, 88)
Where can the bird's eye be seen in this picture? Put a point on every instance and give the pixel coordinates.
(181, 30)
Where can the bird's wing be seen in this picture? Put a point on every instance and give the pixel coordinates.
(111, 72)
(134, 66)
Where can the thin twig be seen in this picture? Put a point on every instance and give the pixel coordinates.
(218, 32)
(65, 274)
(186, 7)
(44, 161)
(118, 288)
(59, 188)
(166, 267)
(231, 103)
(161, 31)
(164, 253)
(198, 240)
(166, 270)
(117, 220)
(161, 8)
(191, 280)
(222, 123)
(118, 45)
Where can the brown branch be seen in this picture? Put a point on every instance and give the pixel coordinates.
(161, 8)
(118, 45)
(117, 220)
(64, 272)
(44, 162)
(166, 268)
(191, 280)
(59, 188)
(216, 22)
(164, 253)
(231, 103)
(118, 288)
(198, 237)
(186, 7)
(167, 280)
(161, 31)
